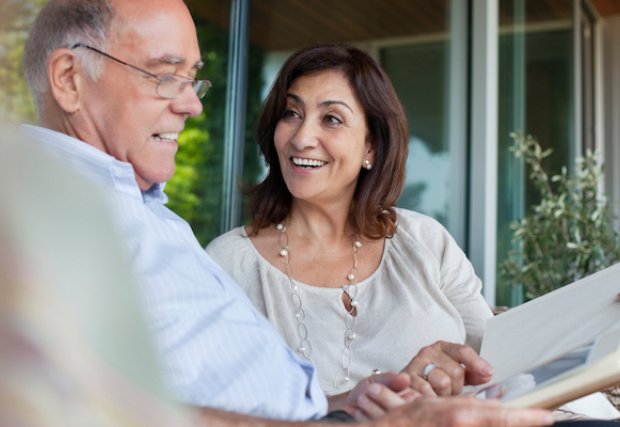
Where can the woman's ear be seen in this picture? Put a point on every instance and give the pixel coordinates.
(370, 153)
(371, 156)
(369, 159)
(64, 79)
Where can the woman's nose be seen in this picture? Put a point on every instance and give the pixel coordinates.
(305, 135)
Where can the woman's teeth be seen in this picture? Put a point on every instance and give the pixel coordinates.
(308, 163)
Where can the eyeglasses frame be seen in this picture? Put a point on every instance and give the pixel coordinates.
(193, 82)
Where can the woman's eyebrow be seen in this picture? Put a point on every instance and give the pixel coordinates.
(327, 102)
(295, 98)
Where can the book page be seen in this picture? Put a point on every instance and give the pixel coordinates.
(552, 326)
(577, 373)
(580, 372)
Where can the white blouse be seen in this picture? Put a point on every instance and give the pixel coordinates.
(424, 290)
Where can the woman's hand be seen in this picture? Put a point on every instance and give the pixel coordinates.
(375, 395)
(443, 368)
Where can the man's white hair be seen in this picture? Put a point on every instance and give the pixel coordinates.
(63, 24)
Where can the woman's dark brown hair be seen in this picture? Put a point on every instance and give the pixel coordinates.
(372, 213)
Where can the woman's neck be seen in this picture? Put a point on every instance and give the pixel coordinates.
(320, 224)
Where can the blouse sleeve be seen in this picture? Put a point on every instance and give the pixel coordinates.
(458, 280)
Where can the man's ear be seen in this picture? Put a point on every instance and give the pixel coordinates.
(64, 79)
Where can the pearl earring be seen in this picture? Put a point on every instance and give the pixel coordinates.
(367, 164)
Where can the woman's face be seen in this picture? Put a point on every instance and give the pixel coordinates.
(322, 139)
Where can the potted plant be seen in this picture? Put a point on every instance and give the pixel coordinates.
(569, 233)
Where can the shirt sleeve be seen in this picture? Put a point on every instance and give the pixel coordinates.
(216, 350)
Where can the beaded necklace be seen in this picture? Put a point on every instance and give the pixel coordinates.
(351, 306)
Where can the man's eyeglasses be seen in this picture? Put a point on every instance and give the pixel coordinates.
(169, 86)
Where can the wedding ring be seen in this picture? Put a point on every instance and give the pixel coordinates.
(376, 371)
(427, 370)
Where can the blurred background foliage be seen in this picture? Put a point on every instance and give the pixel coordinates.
(195, 190)
(16, 17)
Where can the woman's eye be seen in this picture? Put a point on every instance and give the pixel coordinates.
(332, 120)
(289, 114)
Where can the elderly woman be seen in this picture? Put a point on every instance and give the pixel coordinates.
(350, 281)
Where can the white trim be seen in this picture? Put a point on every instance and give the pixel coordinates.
(611, 34)
(456, 122)
(482, 240)
(598, 95)
(577, 149)
(599, 84)
(235, 114)
(537, 27)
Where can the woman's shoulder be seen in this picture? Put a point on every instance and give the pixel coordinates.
(421, 233)
(417, 231)
(229, 244)
(236, 254)
(416, 222)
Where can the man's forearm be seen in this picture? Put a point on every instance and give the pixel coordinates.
(218, 418)
(338, 402)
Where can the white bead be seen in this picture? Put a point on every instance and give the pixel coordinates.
(299, 314)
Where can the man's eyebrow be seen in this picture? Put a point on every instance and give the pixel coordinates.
(173, 60)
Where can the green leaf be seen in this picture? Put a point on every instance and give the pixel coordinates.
(569, 233)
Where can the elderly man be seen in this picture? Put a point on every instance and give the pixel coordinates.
(114, 82)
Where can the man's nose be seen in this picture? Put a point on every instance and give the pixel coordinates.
(187, 102)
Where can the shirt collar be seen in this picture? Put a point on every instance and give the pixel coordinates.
(95, 163)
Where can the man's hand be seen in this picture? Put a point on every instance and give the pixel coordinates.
(442, 369)
(375, 395)
(462, 412)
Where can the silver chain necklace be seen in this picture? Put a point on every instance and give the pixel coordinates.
(350, 289)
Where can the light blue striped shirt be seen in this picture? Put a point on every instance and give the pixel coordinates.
(217, 350)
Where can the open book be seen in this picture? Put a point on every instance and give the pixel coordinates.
(557, 347)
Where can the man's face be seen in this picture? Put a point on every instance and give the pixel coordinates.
(121, 113)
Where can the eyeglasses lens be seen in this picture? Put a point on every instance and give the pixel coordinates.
(170, 87)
